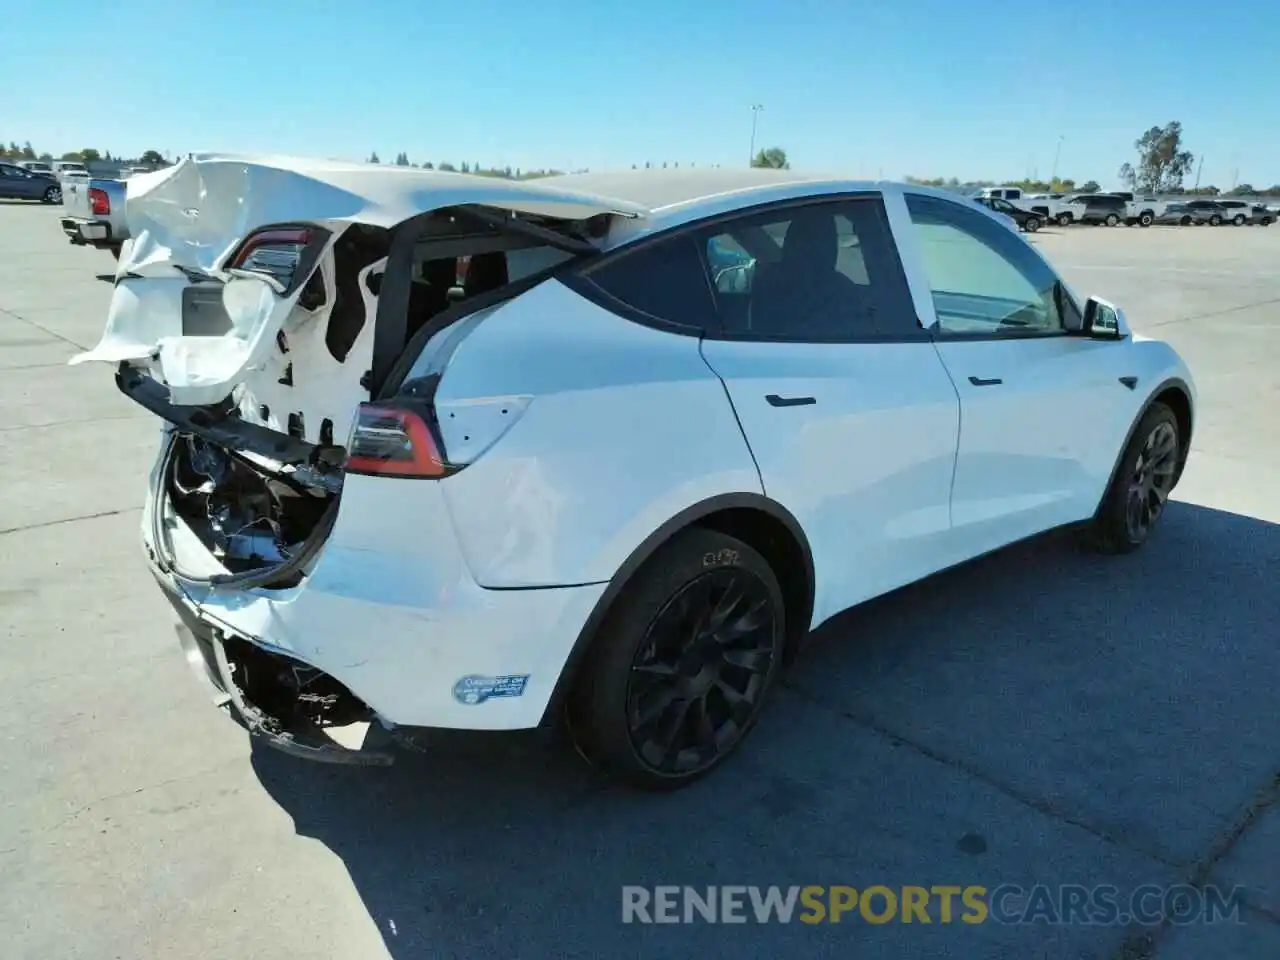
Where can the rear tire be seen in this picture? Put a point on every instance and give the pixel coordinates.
(683, 663)
(1136, 499)
(52, 195)
(1238, 220)
(1145, 220)
(1215, 221)
(1064, 219)
(1112, 220)
(1184, 222)
(1032, 224)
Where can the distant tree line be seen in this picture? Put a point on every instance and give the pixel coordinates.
(149, 158)
(1161, 166)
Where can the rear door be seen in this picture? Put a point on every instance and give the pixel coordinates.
(1043, 413)
(848, 411)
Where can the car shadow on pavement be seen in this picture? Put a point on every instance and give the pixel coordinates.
(1088, 713)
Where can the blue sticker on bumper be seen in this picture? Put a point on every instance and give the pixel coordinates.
(473, 689)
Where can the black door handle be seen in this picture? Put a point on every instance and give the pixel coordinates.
(777, 401)
(979, 382)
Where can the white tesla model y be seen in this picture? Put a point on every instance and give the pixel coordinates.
(451, 451)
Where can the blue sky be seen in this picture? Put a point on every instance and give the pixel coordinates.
(879, 87)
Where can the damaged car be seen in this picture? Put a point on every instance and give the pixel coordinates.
(447, 451)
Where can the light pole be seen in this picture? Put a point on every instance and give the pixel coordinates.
(1053, 178)
(755, 113)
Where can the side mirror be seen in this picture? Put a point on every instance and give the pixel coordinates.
(1103, 320)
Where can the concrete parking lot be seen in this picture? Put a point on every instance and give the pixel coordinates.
(1041, 716)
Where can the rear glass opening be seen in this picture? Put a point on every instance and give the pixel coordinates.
(455, 263)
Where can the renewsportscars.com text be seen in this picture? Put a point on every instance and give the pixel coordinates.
(878, 904)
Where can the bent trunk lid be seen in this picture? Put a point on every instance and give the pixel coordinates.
(189, 219)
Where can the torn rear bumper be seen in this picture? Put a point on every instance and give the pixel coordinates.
(205, 649)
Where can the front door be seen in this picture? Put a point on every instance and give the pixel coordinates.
(1043, 413)
(846, 407)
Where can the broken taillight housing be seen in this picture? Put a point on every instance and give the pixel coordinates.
(99, 202)
(393, 441)
(279, 253)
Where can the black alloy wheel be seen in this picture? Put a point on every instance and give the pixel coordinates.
(682, 664)
(1144, 478)
(1151, 480)
(699, 675)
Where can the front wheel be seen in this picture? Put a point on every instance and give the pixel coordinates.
(1215, 221)
(52, 195)
(1064, 219)
(1184, 222)
(1238, 220)
(1145, 220)
(1138, 493)
(1112, 219)
(1032, 224)
(683, 663)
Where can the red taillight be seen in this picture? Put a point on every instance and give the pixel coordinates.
(99, 202)
(274, 252)
(392, 442)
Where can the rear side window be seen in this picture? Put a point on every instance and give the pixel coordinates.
(823, 272)
(665, 281)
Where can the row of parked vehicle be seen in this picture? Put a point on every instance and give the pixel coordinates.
(1032, 211)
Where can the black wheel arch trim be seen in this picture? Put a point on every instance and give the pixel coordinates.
(683, 520)
(1164, 386)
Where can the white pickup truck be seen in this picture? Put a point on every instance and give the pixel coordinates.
(1050, 206)
(1142, 208)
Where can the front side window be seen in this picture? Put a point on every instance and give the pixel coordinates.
(814, 273)
(985, 280)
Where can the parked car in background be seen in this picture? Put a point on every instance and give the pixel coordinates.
(1207, 211)
(1177, 214)
(1241, 212)
(19, 183)
(1140, 209)
(37, 166)
(1098, 208)
(1050, 206)
(94, 214)
(1024, 219)
(70, 169)
(355, 509)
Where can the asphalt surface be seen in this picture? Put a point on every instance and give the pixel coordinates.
(1041, 716)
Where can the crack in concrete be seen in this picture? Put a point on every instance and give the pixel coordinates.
(53, 333)
(1144, 945)
(121, 795)
(55, 523)
(1038, 804)
(1141, 944)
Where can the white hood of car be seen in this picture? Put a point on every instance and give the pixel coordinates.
(191, 216)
